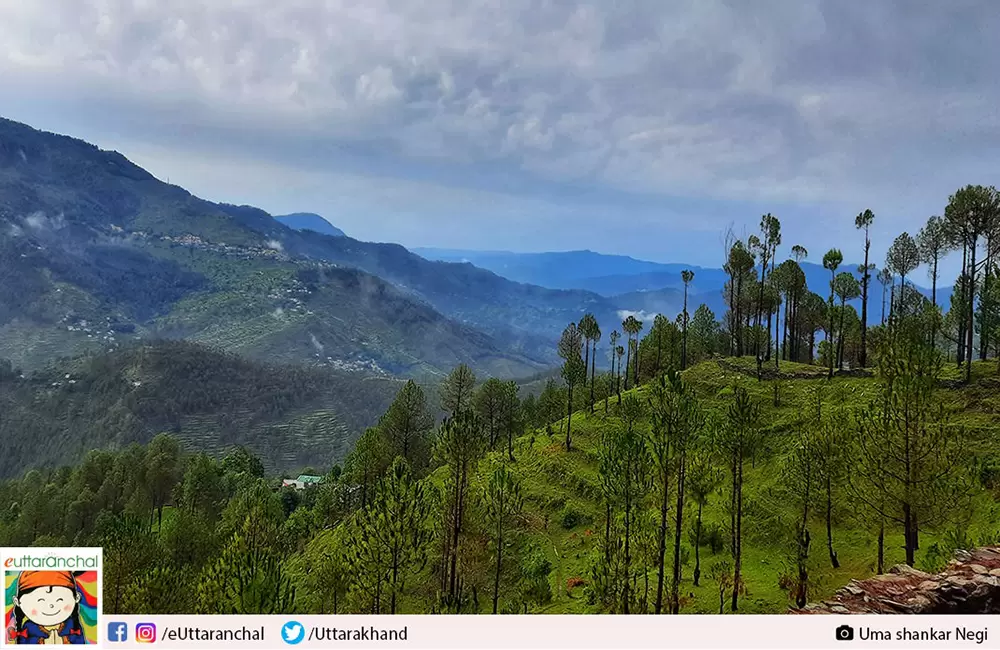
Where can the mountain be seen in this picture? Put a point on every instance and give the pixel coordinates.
(525, 319)
(556, 270)
(309, 221)
(640, 286)
(291, 416)
(93, 198)
(95, 250)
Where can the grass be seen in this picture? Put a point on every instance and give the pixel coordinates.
(555, 482)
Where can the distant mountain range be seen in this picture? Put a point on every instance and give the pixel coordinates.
(637, 285)
(309, 221)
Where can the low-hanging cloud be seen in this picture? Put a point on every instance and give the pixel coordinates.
(40, 222)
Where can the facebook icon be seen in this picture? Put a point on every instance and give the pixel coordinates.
(117, 632)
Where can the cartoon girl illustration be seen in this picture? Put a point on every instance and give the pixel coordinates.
(47, 609)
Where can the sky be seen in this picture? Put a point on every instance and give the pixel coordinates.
(638, 127)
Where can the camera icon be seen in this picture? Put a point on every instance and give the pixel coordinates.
(845, 633)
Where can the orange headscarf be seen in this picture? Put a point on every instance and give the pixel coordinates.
(29, 580)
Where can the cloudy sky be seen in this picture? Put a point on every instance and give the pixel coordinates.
(641, 127)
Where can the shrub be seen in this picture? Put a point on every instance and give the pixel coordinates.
(570, 517)
(535, 564)
(713, 536)
(935, 558)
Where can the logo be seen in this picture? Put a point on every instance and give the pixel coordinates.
(118, 632)
(292, 633)
(145, 632)
(32, 579)
(845, 633)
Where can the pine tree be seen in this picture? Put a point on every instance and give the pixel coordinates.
(391, 537)
(573, 371)
(407, 425)
(502, 501)
(459, 446)
(456, 391)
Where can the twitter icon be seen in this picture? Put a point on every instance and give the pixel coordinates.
(292, 632)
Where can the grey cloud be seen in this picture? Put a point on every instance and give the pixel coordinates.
(798, 101)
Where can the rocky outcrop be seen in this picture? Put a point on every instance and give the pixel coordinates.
(970, 584)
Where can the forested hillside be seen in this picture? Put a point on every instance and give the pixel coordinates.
(192, 515)
(290, 416)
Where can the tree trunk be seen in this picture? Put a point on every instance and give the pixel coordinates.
(883, 304)
(829, 334)
(759, 315)
(784, 329)
(934, 274)
(675, 584)
(661, 550)
(739, 318)
(960, 356)
(802, 595)
(395, 578)
(738, 560)
(732, 512)
(892, 299)
(984, 326)
(881, 548)
(628, 358)
(972, 312)
(865, 280)
(635, 384)
(618, 381)
(777, 333)
(840, 337)
(593, 375)
(496, 579)
(908, 534)
(829, 525)
(626, 594)
(459, 512)
(684, 334)
(697, 548)
(569, 414)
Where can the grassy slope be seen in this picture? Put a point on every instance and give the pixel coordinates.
(552, 479)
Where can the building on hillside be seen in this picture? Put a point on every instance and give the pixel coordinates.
(302, 481)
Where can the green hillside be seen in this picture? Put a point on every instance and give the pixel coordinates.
(290, 416)
(564, 512)
(310, 542)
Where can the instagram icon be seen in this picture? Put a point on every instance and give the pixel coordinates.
(145, 632)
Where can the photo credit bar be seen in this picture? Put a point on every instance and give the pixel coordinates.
(567, 632)
(34, 578)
